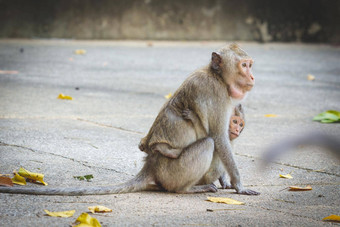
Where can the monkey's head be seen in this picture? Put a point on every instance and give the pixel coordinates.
(234, 65)
(237, 123)
(235, 127)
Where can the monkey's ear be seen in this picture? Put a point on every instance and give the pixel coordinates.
(216, 62)
(234, 46)
(239, 110)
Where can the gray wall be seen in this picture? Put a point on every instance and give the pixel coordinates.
(261, 20)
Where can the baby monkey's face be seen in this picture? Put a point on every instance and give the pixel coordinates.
(235, 127)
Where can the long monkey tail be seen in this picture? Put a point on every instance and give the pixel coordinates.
(138, 183)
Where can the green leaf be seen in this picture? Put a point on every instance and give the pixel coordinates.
(337, 113)
(88, 177)
(327, 121)
(79, 177)
(328, 116)
(85, 177)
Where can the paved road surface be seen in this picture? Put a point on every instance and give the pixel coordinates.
(118, 89)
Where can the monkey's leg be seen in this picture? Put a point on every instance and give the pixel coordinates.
(224, 150)
(166, 150)
(215, 172)
(224, 182)
(181, 174)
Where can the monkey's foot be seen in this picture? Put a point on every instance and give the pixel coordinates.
(248, 192)
(226, 186)
(224, 183)
(141, 146)
(211, 188)
(202, 188)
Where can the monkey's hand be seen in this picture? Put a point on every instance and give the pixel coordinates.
(141, 146)
(247, 192)
(224, 183)
(241, 190)
(188, 115)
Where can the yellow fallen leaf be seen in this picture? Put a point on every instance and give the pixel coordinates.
(270, 115)
(17, 179)
(99, 209)
(333, 217)
(224, 200)
(80, 51)
(310, 77)
(287, 176)
(168, 96)
(62, 96)
(87, 221)
(296, 188)
(33, 176)
(62, 214)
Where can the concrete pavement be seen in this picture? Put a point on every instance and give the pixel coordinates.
(118, 89)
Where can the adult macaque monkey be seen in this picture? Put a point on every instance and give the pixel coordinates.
(211, 93)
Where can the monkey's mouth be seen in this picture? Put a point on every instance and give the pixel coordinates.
(234, 134)
(249, 86)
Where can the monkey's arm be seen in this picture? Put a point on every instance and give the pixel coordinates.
(162, 148)
(166, 150)
(224, 150)
(191, 116)
(223, 179)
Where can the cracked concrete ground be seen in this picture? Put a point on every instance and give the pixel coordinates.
(118, 89)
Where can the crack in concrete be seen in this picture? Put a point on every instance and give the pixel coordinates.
(61, 156)
(297, 184)
(284, 212)
(291, 165)
(110, 126)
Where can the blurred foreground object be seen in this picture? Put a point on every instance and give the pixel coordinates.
(312, 139)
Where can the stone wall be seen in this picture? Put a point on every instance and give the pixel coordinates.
(247, 20)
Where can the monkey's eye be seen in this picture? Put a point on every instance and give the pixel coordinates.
(244, 64)
(250, 65)
(241, 125)
(234, 121)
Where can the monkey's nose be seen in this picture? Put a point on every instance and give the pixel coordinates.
(252, 77)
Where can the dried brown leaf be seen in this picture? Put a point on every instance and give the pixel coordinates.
(6, 181)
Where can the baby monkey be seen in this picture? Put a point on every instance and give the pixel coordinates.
(236, 124)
